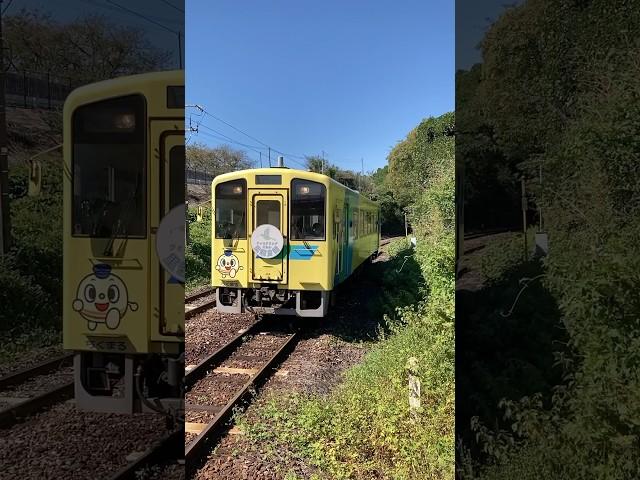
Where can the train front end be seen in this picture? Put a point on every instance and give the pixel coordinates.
(271, 248)
(123, 313)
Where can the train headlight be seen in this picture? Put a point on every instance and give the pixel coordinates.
(304, 190)
(237, 189)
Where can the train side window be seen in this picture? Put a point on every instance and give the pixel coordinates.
(176, 176)
(356, 223)
(308, 200)
(231, 209)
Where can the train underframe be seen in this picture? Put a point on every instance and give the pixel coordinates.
(269, 299)
(130, 383)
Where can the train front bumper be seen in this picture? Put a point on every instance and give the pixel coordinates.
(301, 303)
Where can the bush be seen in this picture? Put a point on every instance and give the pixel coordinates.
(364, 428)
(25, 304)
(198, 250)
(30, 277)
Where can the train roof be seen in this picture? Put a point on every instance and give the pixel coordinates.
(127, 85)
(305, 174)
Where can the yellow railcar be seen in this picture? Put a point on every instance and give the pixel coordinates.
(123, 288)
(283, 239)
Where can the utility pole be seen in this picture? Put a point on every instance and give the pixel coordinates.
(322, 164)
(406, 227)
(524, 216)
(260, 159)
(269, 156)
(179, 50)
(5, 219)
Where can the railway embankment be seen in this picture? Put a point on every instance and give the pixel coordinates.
(342, 394)
(368, 391)
(30, 273)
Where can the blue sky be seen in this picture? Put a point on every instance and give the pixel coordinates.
(347, 77)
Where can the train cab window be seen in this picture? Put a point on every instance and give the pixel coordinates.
(231, 209)
(177, 176)
(308, 201)
(109, 169)
(268, 213)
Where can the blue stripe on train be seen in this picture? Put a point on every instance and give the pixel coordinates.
(300, 252)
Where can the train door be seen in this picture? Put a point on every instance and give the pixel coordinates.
(268, 235)
(167, 228)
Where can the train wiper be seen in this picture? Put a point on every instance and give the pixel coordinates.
(115, 228)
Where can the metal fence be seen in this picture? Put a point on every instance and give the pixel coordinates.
(36, 90)
(196, 177)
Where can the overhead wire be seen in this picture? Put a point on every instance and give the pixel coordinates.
(140, 15)
(172, 5)
(7, 7)
(265, 146)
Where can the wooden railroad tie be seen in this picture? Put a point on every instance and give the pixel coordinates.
(236, 371)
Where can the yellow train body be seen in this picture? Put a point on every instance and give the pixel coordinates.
(150, 311)
(285, 234)
(123, 289)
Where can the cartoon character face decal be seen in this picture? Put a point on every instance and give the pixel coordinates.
(228, 264)
(102, 297)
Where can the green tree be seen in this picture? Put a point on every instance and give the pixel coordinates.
(215, 160)
(85, 50)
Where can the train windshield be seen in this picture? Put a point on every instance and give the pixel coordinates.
(108, 169)
(307, 210)
(231, 209)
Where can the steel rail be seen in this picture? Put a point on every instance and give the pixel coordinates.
(34, 371)
(199, 309)
(157, 454)
(194, 296)
(194, 450)
(197, 372)
(12, 415)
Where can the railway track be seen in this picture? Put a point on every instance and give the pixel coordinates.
(225, 380)
(21, 396)
(161, 453)
(200, 306)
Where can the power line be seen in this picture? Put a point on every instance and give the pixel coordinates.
(254, 138)
(235, 128)
(118, 9)
(7, 7)
(172, 5)
(226, 140)
(253, 147)
(290, 156)
(140, 15)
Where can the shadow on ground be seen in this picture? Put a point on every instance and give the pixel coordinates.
(359, 304)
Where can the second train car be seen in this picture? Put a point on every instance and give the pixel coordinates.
(283, 239)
